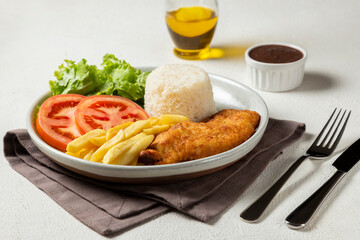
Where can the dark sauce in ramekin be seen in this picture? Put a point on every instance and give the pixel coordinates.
(275, 54)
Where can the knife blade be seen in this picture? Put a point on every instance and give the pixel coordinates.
(303, 213)
(349, 158)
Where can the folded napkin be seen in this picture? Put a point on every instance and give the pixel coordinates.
(111, 208)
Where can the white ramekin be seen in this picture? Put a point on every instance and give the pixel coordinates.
(275, 77)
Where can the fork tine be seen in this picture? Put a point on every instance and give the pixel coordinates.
(337, 127)
(328, 132)
(322, 130)
(330, 129)
(337, 140)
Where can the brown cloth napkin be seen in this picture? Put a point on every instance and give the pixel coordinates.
(111, 208)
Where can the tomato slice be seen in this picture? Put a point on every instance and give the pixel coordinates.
(55, 121)
(106, 111)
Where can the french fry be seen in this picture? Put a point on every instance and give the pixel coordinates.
(123, 143)
(80, 154)
(89, 154)
(116, 151)
(130, 131)
(84, 141)
(154, 120)
(131, 156)
(169, 119)
(72, 154)
(137, 127)
(133, 162)
(110, 133)
(98, 141)
(156, 129)
(101, 151)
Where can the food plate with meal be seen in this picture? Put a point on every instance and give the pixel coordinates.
(176, 143)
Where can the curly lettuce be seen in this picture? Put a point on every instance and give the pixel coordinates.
(79, 78)
(117, 77)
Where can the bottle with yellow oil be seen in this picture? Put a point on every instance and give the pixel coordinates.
(191, 24)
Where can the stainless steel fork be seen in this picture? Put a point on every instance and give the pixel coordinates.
(323, 146)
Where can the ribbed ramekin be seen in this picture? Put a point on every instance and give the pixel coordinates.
(275, 77)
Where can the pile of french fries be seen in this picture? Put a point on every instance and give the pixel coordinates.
(121, 144)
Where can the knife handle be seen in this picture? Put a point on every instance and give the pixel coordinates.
(254, 211)
(303, 213)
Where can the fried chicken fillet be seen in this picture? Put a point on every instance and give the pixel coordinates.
(192, 140)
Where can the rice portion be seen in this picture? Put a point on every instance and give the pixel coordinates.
(179, 89)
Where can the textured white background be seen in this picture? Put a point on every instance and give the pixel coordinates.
(36, 36)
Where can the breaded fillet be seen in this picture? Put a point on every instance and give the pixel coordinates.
(191, 140)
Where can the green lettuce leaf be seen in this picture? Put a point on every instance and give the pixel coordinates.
(78, 78)
(126, 80)
(117, 77)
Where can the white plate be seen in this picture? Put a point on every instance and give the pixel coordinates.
(227, 94)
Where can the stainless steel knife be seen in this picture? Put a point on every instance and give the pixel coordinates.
(302, 214)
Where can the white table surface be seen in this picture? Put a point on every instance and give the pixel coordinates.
(36, 36)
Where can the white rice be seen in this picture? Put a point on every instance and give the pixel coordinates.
(179, 89)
